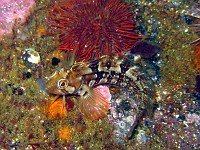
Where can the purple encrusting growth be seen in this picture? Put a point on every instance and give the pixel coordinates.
(12, 11)
(145, 49)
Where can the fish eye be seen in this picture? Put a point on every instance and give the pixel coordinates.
(62, 83)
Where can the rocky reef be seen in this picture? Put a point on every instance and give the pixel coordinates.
(31, 118)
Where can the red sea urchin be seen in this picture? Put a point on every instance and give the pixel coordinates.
(94, 27)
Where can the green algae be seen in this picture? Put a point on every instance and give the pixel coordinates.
(27, 127)
(165, 26)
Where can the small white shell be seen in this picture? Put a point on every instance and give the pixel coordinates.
(31, 56)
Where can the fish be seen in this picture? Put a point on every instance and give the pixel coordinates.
(82, 78)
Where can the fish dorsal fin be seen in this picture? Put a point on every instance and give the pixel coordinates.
(70, 58)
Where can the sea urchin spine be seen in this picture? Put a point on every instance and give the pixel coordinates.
(94, 27)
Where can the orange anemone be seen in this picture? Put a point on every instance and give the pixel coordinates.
(56, 110)
(64, 133)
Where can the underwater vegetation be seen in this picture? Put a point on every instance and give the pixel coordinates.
(160, 112)
(94, 27)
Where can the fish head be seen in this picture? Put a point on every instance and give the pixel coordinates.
(60, 83)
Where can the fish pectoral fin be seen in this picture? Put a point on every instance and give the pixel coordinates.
(64, 105)
(94, 104)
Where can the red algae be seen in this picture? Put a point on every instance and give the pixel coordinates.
(94, 27)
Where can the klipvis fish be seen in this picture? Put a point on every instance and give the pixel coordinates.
(82, 78)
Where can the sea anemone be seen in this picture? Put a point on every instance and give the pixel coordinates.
(64, 133)
(94, 27)
(56, 110)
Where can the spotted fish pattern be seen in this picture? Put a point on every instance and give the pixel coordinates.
(108, 70)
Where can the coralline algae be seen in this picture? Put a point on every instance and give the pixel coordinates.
(11, 12)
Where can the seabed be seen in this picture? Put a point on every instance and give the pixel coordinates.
(28, 121)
